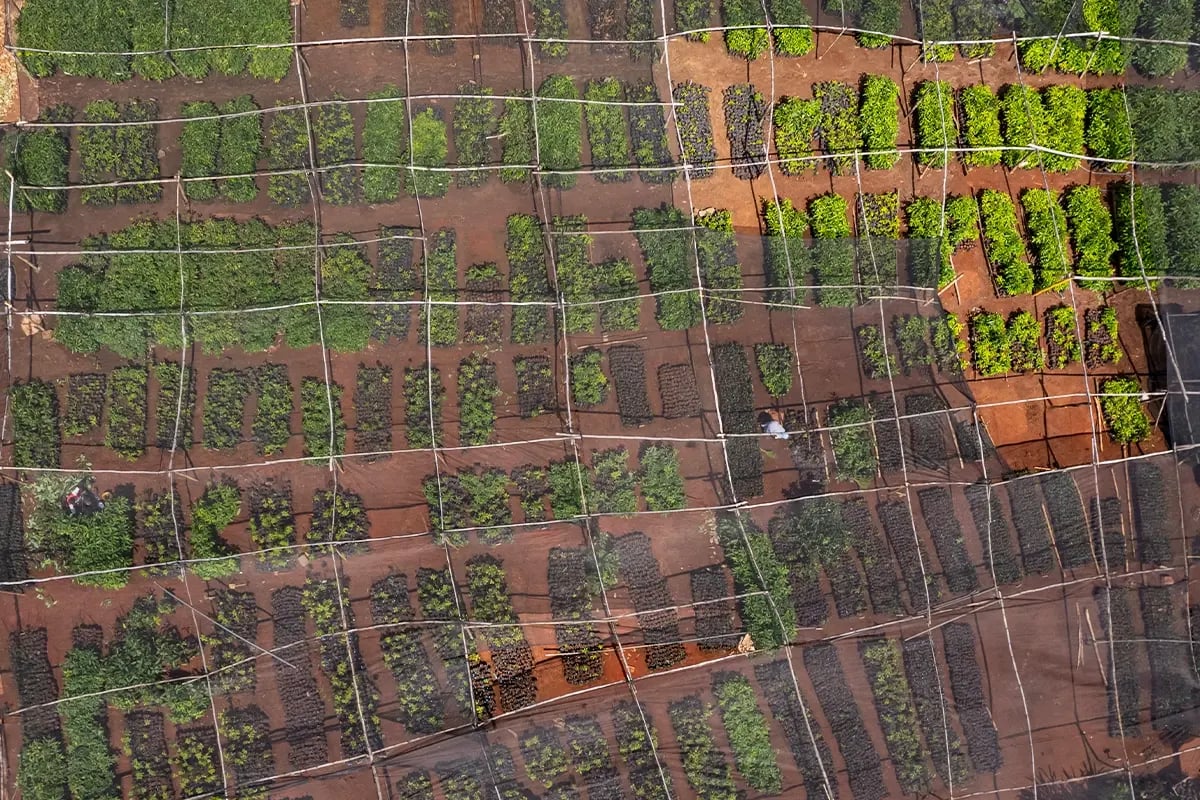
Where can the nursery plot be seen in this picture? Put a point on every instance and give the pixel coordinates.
(1064, 509)
(640, 572)
(994, 532)
(920, 577)
(1150, 489)
(1124, 667)
(825, 669)
(938, 511)
(512, 423)
(978, 727)
(1030, 520)
(926, 429)
(1173, 686)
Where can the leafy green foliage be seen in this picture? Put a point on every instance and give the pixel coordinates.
(565, 498)
(877, 15)
(608, 130)
(42, 770)
(85, 404)
(748, 732)
(929, 250)
(839, 129)
(613, 489)
(1109, 134)
(441, 272)
(875, 19)
(1024, 341)
(516, 131)
(897, 714)
(477, 393)
(792, 37)
(880, 120)
(287, 150)
(670, 265)
(691, 16)
(936, 127)
(127, 412)
(1078, 56)
(981, 125)
(550, 21)
(576, 277)
(1091, 236)
(475, 122)
(528, 279)
(949, 349)
(1182, 203)
(774, 367)
(544, 754)
(1005, 247)
(1103, 345)
(1066, 109)
(559, 130)
(195, 761)
(1158, 22)
(211, 514)
(1121, 405)
(324, 428)
(989, 344)
(1023, 115)
(423, 398)
(933, 236)
(1140, 229)
(99, 542)
(34, 408)
(756, 569)
(853, 446)
(119, 153)
(589, 384)
(333, 132)
(833, 251)
(796, 123)
(41, 157)
(198, 143)
(426, 177)
(877, 216)
(912, 351)
(238, 149)
(147, 648)
(878, 363)
(224, 408)
(272, 525)
(748, 38)
(719, 268)
(120, 26)
(272, 424)
(616, 279)
(784, 249)
(90, 761)
(936, 24)
(344, 276)
(226, 22)
(1061, 337)
(659, 478)
(1160, 130)
(648, 131)
(1046, 224)
(96, 542)
(385, 143)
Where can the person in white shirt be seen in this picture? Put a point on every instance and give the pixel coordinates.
(774, 425)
